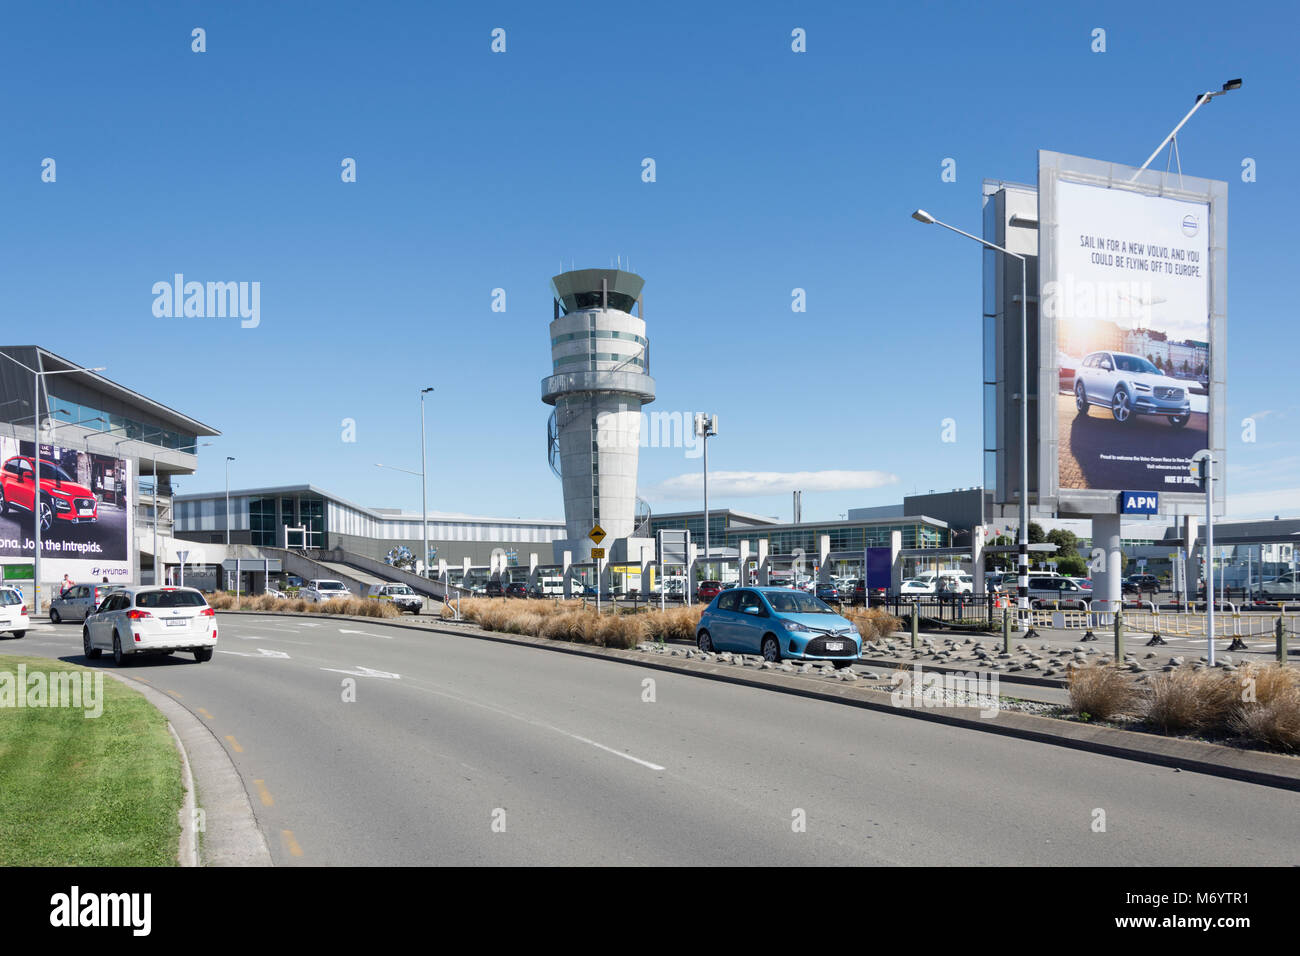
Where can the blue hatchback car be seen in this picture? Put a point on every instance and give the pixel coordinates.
(778, 623)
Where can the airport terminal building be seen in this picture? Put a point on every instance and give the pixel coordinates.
(305, 516)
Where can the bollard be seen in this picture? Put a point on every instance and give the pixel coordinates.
(1119, 634)
(916, 626)
(1279, 631)
(1006, 630)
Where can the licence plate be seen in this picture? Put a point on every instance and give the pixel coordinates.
(84, 511)
(177, 621)
(834, 645)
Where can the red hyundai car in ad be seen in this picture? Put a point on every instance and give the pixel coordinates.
(62, 498)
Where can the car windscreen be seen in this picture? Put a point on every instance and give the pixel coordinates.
(1131, 363)
(166, 599)
(10, 596)
(795, 602)
(329, 586)
(51, 471)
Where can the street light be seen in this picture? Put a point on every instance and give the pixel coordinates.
(424, 491)
(37, 376)
(1201, 100)
(1022, 564)
(706, 426)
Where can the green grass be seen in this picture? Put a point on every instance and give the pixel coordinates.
(87, 792)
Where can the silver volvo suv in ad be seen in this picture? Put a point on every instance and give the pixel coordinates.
(1129, 385)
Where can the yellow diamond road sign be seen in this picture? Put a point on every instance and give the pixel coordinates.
(597, 534)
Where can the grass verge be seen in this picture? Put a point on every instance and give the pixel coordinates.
(78, 791)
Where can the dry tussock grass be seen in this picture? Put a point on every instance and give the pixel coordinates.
(1102, 691)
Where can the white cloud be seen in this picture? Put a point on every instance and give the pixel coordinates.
(752, 484)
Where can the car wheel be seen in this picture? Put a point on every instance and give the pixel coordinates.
(202, 654)
(54, 616)
(47, 516)
(1080, 399)
(1121, 406)
(705, 642)
(91, 652)
(771, 649)
(118, 657)
(5, 507)
(1178, 421)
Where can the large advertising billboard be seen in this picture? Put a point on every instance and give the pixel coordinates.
(1132, 306)
(85, 505)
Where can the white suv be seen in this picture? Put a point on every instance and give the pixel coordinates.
(319, 590)
(151, 621)
(1129, 385)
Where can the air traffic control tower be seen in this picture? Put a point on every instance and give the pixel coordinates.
(600, 379)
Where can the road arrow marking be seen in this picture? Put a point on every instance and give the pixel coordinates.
(365, 672)
(261, 652)
(387, 637)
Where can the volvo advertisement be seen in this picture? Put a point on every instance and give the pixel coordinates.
(1130, 314)
(84, 505)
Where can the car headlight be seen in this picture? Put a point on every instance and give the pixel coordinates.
(60, 504)
(1141, 388)
(853, 629)
(796, 626)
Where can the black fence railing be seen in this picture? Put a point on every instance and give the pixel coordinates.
(968, 610)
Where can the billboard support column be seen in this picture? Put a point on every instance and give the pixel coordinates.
(742, 564)
(1191, 569)
(895, 562)
(764, 566)
(977, 558)
(1106, 535)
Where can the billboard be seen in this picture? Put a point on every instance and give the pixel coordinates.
(1132, 307)
(85, 503)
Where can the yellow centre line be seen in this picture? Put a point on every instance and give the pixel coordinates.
(206, 714)
(175, 694)
(234, 744)
(290, 844)
(267, 800)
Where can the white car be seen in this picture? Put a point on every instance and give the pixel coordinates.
(1129, 386)
(13, 612)
(321, 589)
(916, 586)
(1287, 586)
(151, 621)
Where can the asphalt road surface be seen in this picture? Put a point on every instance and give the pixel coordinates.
(1145, 440)
(448, 735)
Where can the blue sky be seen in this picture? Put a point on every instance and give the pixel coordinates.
(478, 171)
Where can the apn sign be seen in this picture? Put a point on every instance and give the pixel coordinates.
(1139, 502)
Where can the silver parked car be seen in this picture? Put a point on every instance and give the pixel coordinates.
(80, 600)
(1129, 385)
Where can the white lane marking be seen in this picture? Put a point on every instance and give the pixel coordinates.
(387, 637)
(541, 723)
(364, 672)
(261, 652)
(616, 753)
(269, 637)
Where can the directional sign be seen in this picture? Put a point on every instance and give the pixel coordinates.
(597, 553)
(597, 534)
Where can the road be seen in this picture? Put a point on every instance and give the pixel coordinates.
(416, 770)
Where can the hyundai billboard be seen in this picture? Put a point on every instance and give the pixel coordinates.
(84, 505)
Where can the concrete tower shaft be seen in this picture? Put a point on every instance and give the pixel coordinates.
(600, 379)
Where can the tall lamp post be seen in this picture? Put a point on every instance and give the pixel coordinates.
(424, 487)
(706, 426)
(1022, 564)
(1173, 136)
(37, 511)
